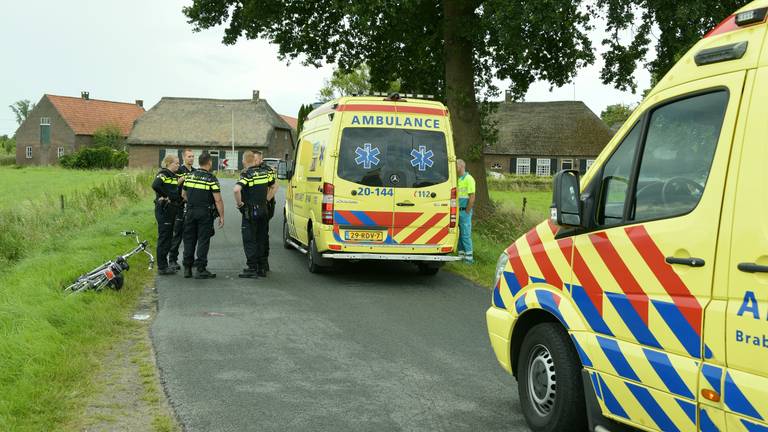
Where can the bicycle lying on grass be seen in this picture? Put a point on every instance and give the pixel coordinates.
(110, 274)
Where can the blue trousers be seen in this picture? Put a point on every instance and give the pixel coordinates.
(465, 234)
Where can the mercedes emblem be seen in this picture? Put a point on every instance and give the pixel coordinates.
(394, 179)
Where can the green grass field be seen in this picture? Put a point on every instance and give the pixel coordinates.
(50, 344)
(537, 205)
(20, 185)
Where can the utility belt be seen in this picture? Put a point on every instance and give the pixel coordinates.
(164, 204)
(255, 211)
(211, 208)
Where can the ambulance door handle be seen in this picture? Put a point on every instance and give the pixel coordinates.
(405, 204)
(690, 262)
(752, 268)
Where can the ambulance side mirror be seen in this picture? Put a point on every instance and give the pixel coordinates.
(282, 170)
(566, 199)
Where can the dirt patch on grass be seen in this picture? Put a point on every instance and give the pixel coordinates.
(127, 393)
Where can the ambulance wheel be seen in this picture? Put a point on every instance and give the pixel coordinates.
(286, 235)
(549, 381)
(313, 256)
(428, 269)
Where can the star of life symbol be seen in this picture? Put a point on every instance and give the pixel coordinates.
(422, 158)
(367, 156)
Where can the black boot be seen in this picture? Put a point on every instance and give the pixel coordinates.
(166, 271)
(262, 271)
(248, 273)
(187, 272)
(174, 266)
(203, 273)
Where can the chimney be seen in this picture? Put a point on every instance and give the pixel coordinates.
(508, 96)
(85, 95)
(140, 103)
(255, 95)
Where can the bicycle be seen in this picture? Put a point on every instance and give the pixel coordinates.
(110, 274)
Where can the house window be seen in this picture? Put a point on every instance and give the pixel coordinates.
(566, 164)
(45, 130)
(29, 152)
(60, 152)
(543, 167)
(45, 121)
(523, 166)
(589, 163)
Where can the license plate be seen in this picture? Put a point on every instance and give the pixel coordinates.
(364, 236)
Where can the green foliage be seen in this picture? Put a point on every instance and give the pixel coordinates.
(21, 109)
(51, 344)
(354, 82)
(7, 160)
(7, 144)
(95, 158)
(109, 136)
(304, 111)
(618, 113)
(679, 25)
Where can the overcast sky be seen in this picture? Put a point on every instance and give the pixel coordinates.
(144, 49)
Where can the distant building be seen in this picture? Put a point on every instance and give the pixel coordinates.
(293, 121)
(209, 125)
(542, 138)
(60, 125)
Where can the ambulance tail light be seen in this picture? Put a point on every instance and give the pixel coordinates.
(454, 208)
(327, 208)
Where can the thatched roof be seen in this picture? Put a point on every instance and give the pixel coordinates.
(207, 122)
(549, 128)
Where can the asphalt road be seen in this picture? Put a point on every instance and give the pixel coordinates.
(367, 347)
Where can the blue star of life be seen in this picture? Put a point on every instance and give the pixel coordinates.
(367, 156)
(422, 158)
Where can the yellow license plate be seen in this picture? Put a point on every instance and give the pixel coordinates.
(364, 236)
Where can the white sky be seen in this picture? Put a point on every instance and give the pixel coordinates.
(144, 49)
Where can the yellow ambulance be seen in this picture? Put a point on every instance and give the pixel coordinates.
(374, 178)
(643, 301)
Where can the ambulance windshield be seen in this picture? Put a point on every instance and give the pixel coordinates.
(398, 158)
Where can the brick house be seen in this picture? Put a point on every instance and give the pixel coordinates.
(60, 125)
(542, 138)
(209, 125)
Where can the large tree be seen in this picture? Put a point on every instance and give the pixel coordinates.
(21, 109)
(357, 81)
(455, 49)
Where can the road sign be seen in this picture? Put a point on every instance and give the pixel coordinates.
(225, 163)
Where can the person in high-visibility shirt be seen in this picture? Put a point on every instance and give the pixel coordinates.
(466, 186)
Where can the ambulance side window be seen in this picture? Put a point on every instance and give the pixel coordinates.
(614, 185)
(677, 156)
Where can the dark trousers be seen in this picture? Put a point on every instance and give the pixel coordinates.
(198, 230)
(178, 235)
(165, 215)
(255, 242)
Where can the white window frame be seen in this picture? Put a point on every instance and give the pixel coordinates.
(60, 152)
(540, 164)
(523, 164)
(589, 164)
(29, 152)
(564, 161)
(45, 121)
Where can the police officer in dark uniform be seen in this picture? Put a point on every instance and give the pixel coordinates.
(178, 227)
(271, 204)
(167, 204)
(252, 193)
(203, 195)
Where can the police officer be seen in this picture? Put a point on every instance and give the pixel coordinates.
(203, 195)
(167, 204)
(271, 204)
(178, 226)
(252, 193)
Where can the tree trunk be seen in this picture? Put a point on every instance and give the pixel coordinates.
(460, 95)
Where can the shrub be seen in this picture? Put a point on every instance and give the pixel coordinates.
(95, 158)
(7, 160)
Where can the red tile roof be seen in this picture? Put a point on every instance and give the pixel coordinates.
(292, 121)
(85, 116)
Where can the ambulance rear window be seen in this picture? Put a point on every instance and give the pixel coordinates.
(399, 158)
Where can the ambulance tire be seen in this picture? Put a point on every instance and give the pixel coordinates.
(286, 235)
(428, 269)
(549, 381)
(313, 256)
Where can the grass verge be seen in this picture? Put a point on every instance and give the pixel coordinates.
(51, 344)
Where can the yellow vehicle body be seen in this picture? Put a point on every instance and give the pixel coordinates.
(374, 178)
(663, 289)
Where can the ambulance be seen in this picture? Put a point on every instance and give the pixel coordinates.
(643, 302)
(374, 178)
